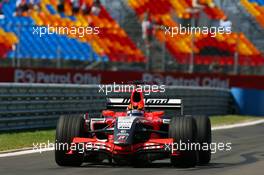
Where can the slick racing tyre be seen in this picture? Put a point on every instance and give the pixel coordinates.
(68, 127)
(204, 136)
(183, 130)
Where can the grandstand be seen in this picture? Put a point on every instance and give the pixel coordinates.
(220, 49)
(256, 9)
(7, 40)
(46, 47)
(113, 45)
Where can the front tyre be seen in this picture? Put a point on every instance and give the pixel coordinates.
(68, 127)
(183, 130)
(204, 136)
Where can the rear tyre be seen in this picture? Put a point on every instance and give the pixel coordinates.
(204, 136)
(183, 130)
(68, 127)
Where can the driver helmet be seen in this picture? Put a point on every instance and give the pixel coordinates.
(137, 110)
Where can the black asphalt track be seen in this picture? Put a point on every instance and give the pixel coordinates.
(245, 158)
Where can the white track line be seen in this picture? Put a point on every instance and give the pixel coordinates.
(19, 152)
(238, 125)
(31, 151)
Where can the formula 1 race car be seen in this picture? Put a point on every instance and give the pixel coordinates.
(136, 136)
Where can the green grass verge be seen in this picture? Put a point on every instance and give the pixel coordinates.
(231, 119)
(9, 141)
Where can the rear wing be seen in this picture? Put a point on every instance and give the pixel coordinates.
(150, 103)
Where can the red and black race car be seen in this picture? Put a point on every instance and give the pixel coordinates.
(136, 136)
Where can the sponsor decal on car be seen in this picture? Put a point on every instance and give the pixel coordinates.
(125, 122)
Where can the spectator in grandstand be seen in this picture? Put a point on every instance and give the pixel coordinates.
(147, 29)
(60, 6)
(226, 24)
(85, 8)
(194, 11)
(96, 8)
(75, 6)
(22, 7)
(196, 4)
(1, 11)
(34, 5)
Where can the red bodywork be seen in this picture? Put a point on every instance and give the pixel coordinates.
(154, 144)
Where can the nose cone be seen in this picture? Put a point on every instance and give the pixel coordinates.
(125, 130)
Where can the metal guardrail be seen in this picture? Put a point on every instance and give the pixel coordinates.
(35, 106)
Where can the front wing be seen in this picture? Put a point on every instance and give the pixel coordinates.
(151, 146)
